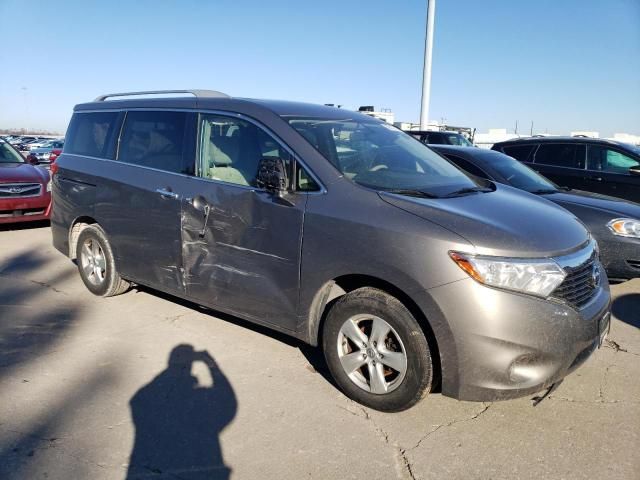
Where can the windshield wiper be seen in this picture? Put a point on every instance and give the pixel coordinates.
(544, 191)
(464, 191)
(411, 193)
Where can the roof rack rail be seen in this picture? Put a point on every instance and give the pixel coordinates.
(195, 93)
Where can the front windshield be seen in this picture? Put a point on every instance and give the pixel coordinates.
(519, 175)
(457, 139)
(377, 155)
(634, 148)
(8, 154)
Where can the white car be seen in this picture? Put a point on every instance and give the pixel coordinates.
(38, 143)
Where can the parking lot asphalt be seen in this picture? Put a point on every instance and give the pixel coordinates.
(122, 388)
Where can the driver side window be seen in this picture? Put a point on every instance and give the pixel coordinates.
(231, 150)
(608, 160)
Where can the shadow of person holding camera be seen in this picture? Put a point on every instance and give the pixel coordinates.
(178, 421)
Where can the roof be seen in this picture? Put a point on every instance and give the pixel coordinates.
(286, 108)
(431, 132)
(482, 155)
(281, 108)
(565, 139)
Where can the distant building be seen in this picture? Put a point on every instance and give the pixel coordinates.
(408, 126)
(626, 138)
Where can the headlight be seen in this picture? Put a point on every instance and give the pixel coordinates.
(537, 277)
(49, 186)
(625, 227)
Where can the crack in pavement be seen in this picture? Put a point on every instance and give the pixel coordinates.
(485, 407)
(53, 442)
(35, 282)
(403, 466)
(592, 402)
(401, 458)
(612, 344)
(603, 383)
(47, 285)
(111, 336)
(616, 347)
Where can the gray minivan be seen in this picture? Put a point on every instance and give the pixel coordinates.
(338, 229)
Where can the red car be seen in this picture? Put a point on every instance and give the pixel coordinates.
(25, 190)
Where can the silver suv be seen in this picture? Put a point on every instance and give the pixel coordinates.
(335, 228)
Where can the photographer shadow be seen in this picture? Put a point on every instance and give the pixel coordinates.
(178, 421)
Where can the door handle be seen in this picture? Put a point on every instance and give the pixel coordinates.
(166, 193)
(201, 205)
(595, 179)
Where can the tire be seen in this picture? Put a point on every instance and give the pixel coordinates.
(379, 382)
(96, 264)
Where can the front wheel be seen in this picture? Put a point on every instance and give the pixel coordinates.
(96, 264)
(376, 351)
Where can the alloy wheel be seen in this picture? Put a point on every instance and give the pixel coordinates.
(372, 354)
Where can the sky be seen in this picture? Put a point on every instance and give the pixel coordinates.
(564, 65)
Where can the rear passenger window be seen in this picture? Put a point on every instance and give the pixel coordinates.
(156, 140)
(93, 134)
(519, 152)
(434, 139)
(561, 155)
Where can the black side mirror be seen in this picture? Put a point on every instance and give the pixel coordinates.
(272, 175)
(634, 170)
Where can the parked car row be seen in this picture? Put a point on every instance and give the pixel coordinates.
(28, 143)
(340, 230)
(25, 190)
(46, 154)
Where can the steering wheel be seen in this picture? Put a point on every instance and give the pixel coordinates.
(378, 167)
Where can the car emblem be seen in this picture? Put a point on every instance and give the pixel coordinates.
(16, 190)
(596, 276)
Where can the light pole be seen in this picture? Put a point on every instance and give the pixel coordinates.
(26, 107)
(426, 73)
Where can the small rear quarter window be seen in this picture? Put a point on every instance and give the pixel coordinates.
(93, 134)
(519, 152)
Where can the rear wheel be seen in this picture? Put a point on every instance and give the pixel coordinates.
(376, 351)
(96, 264)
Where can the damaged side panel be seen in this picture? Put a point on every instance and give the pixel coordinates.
(242, 251)
(144, 225)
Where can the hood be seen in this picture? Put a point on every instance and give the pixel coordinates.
(617, 207)
(507, 222)
(22, 172)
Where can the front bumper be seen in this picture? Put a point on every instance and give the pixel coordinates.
(25, 209)
(620, 257)
(509, 345)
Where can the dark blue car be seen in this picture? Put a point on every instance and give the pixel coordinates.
(615, 223)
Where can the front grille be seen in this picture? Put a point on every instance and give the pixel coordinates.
(580, 284)
(17, 190)
(21, 213)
